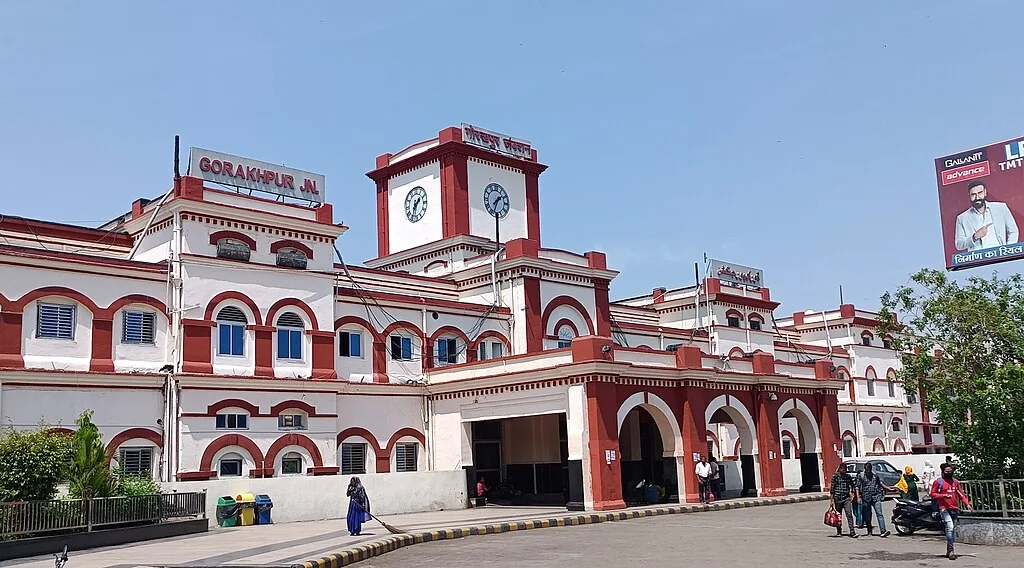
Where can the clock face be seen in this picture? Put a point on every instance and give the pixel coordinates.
(416, 204)
(496, 200)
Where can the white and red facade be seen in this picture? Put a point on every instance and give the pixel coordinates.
(444, 353)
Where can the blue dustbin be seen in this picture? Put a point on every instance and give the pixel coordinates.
(263, 507)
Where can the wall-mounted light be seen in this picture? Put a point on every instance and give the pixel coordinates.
(773, 397)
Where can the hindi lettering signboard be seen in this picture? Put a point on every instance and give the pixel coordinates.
(736, 274)
(237, 171)
(498, 143)
(981, 196)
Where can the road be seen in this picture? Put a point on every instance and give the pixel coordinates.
(788, 535)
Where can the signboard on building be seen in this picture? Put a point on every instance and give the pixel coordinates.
(736, 274)
(494, 142)
(981, 198)
(237, 171)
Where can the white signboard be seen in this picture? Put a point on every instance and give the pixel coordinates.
(255, 175)
(736, 274)
(495, 142)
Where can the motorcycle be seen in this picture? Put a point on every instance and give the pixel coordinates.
(909, 516)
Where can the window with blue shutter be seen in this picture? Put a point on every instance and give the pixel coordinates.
(231, 324)
(289, 336)
(401, 348)
(447, 352)
(138, 327)
(55, 321)
(350, 344)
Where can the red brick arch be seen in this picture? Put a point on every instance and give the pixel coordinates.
(215, 302)
(402, 325)
(135, 299)
(60, 291)
(382, 457)
(796, 445)
(227, 441)
(134, 434)
(280, 407)
(278, 245)
(216, 237)
(573, 303)
(356, 320)
(491, 334)
(294, 302)
(293, 440)
(404, 432)
(564, 322)
(450, 330)
(249, 407)
(736, 353)
(734, 314)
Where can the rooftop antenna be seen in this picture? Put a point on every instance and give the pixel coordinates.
(840, 294)
(177, 171)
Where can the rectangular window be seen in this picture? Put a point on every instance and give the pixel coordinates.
(353, 459)
(935, 431)
(405, 457)
(911, 398)
(497, 350)
(787, 449)
(755, 325)
(847, 448)
(139, 328)
(896, 426)
(447, 352)
(886, 344)
(232, 421)
(350, 344)
(136, 461)
(291, 466)
(481, 352)
(866, 341)
(401, 348)
(733, 321)
(231, 340)
(913, 429)
(871, 387)
(230, 468)
(892, 389)
(55, 321)
(289, 344)
(291, 422)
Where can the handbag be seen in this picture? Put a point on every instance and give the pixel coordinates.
(832, 517)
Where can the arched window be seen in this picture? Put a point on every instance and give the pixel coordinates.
(865, 338)
(289, 336)
(848, 447)
(870, 376)
(878, 447)
(890, 378)
(755, 321)
(565, 336)
(447, 351)
(291, 464)
(230, 465)
(231, 323)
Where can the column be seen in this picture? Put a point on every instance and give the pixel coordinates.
(694, 442)
(831, 440)
(10, 339)
(323, 355)
(197, 346)
(768, 445)
(603, 451)
(264, 335)
(101, 359)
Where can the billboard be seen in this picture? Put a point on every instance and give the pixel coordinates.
(250, 174)
(736, 274)
(981, 200)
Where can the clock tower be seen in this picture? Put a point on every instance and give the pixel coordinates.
(466, 182)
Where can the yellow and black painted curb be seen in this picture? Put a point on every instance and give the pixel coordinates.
(377, 548)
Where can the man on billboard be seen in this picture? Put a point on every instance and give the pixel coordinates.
(986, 223)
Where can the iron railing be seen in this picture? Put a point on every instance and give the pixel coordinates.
(996, 497)
(19, 519)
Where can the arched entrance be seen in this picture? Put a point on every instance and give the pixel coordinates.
(649, 450)
(730, 422)
(801, 464)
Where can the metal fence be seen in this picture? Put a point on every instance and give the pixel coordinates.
(996, 497)
(26, 518)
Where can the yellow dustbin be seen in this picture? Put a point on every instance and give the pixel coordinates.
(246, 509)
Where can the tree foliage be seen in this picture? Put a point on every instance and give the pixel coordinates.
(32, 463)
(89, 474)
(963, 346)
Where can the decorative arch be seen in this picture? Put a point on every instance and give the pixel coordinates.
(867, 334)
(754, 316)
(806, 423)
(356, 320)
(796, 443)
(661, 412)
(849, 434)
(293, 439)
(870, 373)
(715, 441)
(564, 322)
(878, 446)
(402, 325)
(744, 422)
(60, 291)
(734, 314)
(404, 432)
(899, 447)
(278, 245)
(134, 434)
(573, 303)
(227, 441)
(134, 299)
(491, 334)
(217, 236)
(280, 407)
(215, 302)
(361, 433)
(249, 407)
(450, 330)
(890, 374)
(874, 420)
(736, 353)
(295, 302)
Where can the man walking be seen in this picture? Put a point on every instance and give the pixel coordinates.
(842, 498)
(947, 493)
(871, 491)
(704, 480)
(713, 479)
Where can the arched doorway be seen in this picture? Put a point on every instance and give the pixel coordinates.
(731, 428)
(801, 465)
(649, 451)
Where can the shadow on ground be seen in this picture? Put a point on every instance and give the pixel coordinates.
(886, 556)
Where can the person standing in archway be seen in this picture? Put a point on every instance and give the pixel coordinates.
(704, 479)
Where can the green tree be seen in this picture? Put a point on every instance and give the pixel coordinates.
(34, 463)
(963, 345)
(89, 474)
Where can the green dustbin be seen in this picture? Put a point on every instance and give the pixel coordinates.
(227, 512)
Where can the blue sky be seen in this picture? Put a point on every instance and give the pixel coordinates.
(797, 137)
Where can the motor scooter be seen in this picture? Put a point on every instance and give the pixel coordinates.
(909, 516)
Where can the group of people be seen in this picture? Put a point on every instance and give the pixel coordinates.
(865, 493)
(709, 478)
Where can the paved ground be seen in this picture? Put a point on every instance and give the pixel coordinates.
(784, 535)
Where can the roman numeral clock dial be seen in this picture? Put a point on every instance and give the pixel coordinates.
(415, 204)
(496, 200)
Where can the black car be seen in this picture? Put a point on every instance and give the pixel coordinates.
(884, 470)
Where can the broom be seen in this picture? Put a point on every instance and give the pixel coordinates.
(391, 529)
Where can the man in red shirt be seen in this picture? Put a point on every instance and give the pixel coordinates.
(948, 494)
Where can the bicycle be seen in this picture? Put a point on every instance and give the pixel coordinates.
(59, 560)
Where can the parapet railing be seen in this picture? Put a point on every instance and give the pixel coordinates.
(996, 497)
